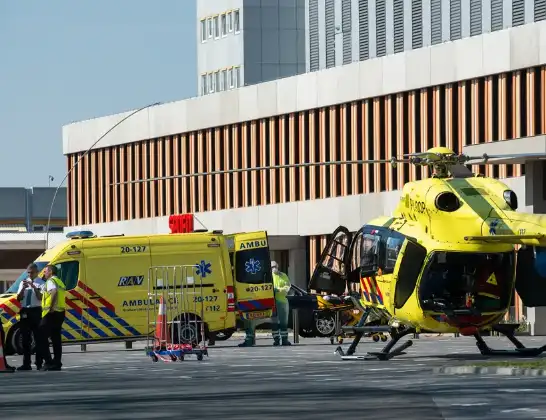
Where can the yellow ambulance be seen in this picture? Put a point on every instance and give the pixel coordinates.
(108, 291)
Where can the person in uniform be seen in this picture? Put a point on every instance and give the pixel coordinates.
(281, 286)
(53, 315)
(30, 296)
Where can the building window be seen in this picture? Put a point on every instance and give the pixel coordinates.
(203, 30)
(216, 28)
(224, 79)
(230, 77)
(236, 23)
(209, 27)
(203, 84)
(230, 22)
(220, 82)
(224, 24)
(217, 81)
(238, 77)
(210, 83)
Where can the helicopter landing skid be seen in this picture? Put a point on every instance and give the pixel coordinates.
(508, 332)
(386, 353)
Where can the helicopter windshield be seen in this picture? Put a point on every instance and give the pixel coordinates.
(463, 280)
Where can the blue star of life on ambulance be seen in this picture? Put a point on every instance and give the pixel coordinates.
(203, 268)
(252, 266)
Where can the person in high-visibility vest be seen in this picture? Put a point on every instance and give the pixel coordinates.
(53, 315)
(281, 286)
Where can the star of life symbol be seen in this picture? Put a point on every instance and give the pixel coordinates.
(493, 227)
(252, 266)
(203, 268)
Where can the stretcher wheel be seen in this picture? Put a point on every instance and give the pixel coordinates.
(375, 338)
(154, 358)
(199, 356)
(181, 357)
(383, 337)
(173, 357)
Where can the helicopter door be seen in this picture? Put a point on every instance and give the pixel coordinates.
(330, 273)
(531, 275)
(408, 266)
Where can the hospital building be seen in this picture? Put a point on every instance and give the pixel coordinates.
(319, 80)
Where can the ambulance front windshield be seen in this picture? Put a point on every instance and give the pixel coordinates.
(15, 286)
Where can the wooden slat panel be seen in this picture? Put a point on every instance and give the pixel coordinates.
(282, 158)
(185, 182)
(228, 179)
(304, 144)
(450, 116)
(160, 148)
(354, 141)
(177, 170)
(218, 146)
(237, 164)
(109, 189)
(292, 143)
(123, 178)
(333, 140)
(193, 153)
(322, 152)
(274, 145)
(424, 127)
(93, 187)
(412, 134)
(502, 117)
(263, 162)
(530, 99)
(254, 159)
(168, 170)
(244, 163)
(475, 117)
(201, 159)
(388, 142)
(377, 140)
(208, 156)
(366, 140)
(145, 187)
(74, 191)
(345, 132)
(400, 138)
(312, 154)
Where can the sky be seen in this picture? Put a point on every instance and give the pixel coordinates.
(63, 61)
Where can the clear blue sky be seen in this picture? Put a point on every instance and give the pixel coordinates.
(63, 61)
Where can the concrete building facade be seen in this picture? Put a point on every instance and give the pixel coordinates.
(475, 91)
(245, 42)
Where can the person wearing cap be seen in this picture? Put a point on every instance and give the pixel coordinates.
(281, 286)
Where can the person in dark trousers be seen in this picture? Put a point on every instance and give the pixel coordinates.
(30, 296)
(3, 342)
(53, 315)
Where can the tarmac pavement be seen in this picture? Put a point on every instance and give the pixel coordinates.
(306, 381)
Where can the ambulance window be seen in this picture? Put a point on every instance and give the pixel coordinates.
(69, 273)
(253, 266)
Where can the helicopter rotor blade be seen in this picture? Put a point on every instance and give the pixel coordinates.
(266, 168)
(484, 159)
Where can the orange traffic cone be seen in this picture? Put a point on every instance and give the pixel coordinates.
(3, 363)
(161, 329)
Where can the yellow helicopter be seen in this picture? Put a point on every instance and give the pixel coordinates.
(444, 262)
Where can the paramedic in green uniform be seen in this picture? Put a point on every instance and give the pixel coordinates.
(279, 327)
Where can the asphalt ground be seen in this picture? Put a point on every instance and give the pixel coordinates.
(305, 381)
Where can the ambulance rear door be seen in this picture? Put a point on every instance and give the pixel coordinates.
(252, 272)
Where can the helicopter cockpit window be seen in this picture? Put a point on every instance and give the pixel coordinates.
(393, 249)
(368, 250)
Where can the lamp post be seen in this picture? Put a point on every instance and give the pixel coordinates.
(81, 157)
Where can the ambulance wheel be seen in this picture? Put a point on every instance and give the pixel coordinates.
(375, 338)
(181, 358)
(384, 337)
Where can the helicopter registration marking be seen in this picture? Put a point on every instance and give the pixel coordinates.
(417, 206)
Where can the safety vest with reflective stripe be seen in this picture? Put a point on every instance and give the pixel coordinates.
(46, 297)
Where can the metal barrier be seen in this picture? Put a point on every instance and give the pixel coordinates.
(177, 292)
